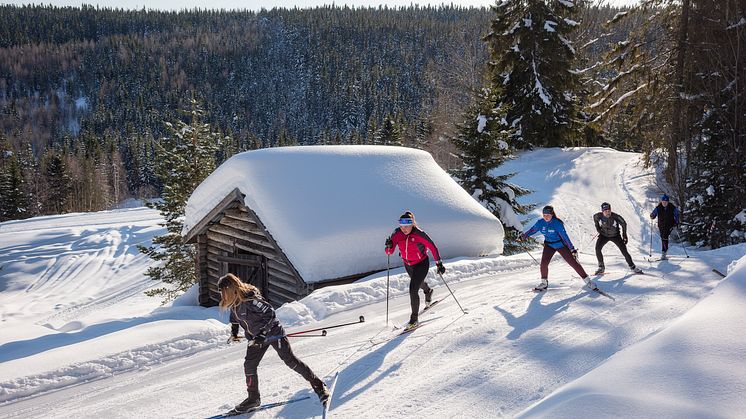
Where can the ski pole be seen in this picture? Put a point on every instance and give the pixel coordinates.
(452, 294)
(650, 251)
(532, 257)
(681, 242)
(388, 269)
(275, 338)
(361, 320)
(592, 238)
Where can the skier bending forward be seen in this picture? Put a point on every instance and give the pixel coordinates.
(257, 318)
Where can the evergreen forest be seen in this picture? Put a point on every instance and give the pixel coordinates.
(88, 95)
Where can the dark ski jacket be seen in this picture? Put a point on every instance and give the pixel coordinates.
(255, 316)
(553, 231)
(413, 246)
(668, 216)
(609, 227)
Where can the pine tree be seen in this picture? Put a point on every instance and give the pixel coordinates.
(481, 141)
(57, 180)
(716, 204)
(532, 59)
(185, 158)
(388, 134)
(13, 202)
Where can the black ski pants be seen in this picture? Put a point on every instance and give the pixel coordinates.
(665, 232)
(254, 354)
(417, 274)
(546, 257)
(617, 240)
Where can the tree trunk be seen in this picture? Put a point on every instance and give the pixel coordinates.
(674, 174)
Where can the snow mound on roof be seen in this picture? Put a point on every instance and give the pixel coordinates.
(330, 208)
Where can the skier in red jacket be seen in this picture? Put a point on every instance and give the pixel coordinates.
(413, 245)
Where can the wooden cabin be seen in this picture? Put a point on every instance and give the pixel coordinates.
(290, 220)
(232, 239)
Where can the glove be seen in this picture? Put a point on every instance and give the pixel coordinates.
(522, 237)
(440, 268)
(389, 243)
(232, 339)
(574, 253)
(625, 239)
(259, 339)
(652, 217)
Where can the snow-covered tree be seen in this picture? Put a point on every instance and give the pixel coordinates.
(481, 143)
(13, 202)
(185, 158)
(716, 208)
(532, 59)
(389, 133)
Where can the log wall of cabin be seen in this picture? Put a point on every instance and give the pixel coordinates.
(236, 230)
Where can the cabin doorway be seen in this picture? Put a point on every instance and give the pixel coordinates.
(250, 268)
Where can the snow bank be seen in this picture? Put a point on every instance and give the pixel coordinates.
(330, 208)
(331, 300)
(696, 367)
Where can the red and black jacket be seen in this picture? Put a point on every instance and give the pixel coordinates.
(413, 246)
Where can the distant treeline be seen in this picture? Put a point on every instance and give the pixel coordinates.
(84, 93)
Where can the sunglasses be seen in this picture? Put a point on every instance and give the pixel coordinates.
(406, 222)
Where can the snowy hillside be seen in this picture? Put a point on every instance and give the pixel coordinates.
(81, 340)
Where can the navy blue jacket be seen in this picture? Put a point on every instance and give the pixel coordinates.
(255, 316)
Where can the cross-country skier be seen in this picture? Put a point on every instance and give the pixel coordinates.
(668, 218)
(555, 240)
(607, 224)
(251, 312)
(413, 245)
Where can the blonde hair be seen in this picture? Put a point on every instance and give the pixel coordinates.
(234, 291)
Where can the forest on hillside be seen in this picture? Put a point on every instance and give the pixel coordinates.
(87, 95)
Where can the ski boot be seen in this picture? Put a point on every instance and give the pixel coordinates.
(428, 297)
(590, 283)
(249, 404)
(635, 269)
(413, 324)
(600, 270)
(543, 285)
(663, 256)
(322, 391)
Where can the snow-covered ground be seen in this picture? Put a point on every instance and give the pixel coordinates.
(79, 338)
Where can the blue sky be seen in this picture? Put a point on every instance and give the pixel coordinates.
(256, 5)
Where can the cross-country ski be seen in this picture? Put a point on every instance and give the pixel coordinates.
(327, 402)
(233, 412)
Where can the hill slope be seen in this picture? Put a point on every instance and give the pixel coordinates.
(513, 349)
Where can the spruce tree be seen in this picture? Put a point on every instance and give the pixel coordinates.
(532, 59)
(13, 202)
(57, 179)
(389, 133)
(481, 141)
(185, 158)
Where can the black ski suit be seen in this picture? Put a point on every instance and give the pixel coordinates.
(608, 231)
(668, 218)
(257, 317)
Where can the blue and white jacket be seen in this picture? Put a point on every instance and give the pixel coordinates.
(553, 231)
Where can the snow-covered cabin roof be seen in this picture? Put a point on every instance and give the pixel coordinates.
(330, 208)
